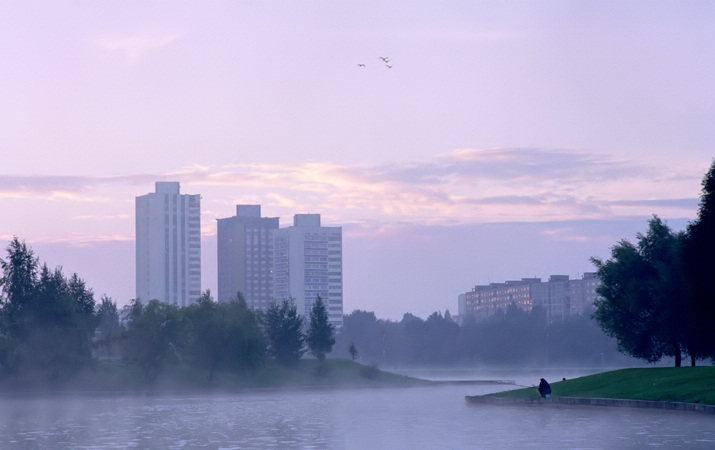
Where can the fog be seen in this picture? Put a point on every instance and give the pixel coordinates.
(396, 418)
(501, 378)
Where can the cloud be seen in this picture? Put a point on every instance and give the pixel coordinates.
(55, 187)
(75, 239)
(135, 48)
(539, 164)
(684, 203)
(464, 186)
(567, 234)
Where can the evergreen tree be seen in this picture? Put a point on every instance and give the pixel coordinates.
(19, 279)
(47, 321)
(699, 264)
(283, 327)
(321, 333)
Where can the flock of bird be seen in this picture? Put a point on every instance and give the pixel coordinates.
(386, 60)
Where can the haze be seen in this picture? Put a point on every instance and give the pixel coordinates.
(507, 140)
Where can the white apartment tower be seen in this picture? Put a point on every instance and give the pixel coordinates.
(245, 254)
(168, 245)
(307, 262)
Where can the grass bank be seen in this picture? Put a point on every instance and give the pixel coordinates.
(121, 376)
(670, 384)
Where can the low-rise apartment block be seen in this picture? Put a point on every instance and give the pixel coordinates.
(559, 297)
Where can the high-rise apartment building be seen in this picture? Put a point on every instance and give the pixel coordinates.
(307, 262)
(168, 245)
(245, 254)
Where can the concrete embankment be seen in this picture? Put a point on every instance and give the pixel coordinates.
(581, 401)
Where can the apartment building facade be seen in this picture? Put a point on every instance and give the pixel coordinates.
(168, 245)
(245, 256)
(559, 297)
(307, 263)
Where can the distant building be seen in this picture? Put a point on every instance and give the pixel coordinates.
(462, 305)
(168, 245)
(307, 262)
(582, 294)
(245, 256)
(559, 297)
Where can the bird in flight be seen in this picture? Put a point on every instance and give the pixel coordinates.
(385, 59)
(361, 65)
(388, 66)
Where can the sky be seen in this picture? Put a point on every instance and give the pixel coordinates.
(501, 140)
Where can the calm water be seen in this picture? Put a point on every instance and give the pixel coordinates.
(395, 418)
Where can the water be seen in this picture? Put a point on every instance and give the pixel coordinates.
(395, 418)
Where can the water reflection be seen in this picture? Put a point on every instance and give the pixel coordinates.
(425, 417)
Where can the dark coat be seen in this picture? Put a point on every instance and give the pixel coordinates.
(544, 388)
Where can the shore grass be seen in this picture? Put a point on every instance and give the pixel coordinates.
(115, 375)
(672, 384)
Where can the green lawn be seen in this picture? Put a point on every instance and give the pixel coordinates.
(674, 384)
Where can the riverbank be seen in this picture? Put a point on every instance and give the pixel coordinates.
(587, 401)
(115, 375)
(658, 385)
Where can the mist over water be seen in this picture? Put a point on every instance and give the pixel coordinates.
(396, 418)
(506, 378)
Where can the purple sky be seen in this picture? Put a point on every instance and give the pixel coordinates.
(508, 140)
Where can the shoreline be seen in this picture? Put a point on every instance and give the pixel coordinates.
(590, 401)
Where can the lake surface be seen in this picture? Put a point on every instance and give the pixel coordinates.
(395, 418)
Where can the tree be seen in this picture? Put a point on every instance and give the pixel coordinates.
(246, 342)
(699, 265)
(223, 335)
(18, 283)
(321, 333)
(362, 329)
(60, 324)
(283, 329)
(152, 335)
(17, 288)
(207, 333)
(108, 326)
(513, 336)
(641, 294)
(353, 351)
(442, 334)
(47, 321)
(579, 340)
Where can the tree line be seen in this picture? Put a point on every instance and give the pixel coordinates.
(511, 337)
(51, 327)
(657, 296)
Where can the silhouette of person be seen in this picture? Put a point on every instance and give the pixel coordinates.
(544, 389)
